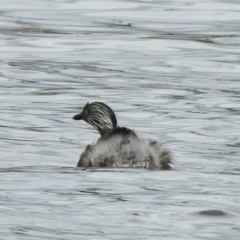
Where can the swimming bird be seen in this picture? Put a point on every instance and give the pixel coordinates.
(119, 146)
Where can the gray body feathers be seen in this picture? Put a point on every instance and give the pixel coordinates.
(122, 148)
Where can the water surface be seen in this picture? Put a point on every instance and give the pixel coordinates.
(170, 70)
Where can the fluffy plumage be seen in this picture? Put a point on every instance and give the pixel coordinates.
(119, 146)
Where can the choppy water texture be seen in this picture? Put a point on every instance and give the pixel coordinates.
(170, 70)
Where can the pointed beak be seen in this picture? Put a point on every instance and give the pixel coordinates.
(78, 116)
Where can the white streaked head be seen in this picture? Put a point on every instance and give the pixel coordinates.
(99, 115)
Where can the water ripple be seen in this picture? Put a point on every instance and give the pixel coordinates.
(169, 69)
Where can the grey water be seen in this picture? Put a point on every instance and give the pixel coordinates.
(169, 69)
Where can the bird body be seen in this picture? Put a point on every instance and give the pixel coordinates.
(119, 146)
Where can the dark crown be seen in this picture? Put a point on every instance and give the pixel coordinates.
(99, 115)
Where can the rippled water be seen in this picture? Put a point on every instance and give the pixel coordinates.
(170, 70)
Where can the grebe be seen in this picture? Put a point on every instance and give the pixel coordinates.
(119, 146)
